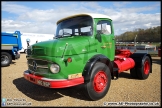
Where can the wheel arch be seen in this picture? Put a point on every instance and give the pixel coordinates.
(138, 58)
(91, 62)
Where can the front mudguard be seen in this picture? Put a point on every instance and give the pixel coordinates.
(90, 64)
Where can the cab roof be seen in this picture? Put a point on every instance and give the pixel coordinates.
(93, 15)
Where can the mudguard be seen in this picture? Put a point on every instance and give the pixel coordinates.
(138, 58)
(89, 65)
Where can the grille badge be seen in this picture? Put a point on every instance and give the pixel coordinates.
(34, 65)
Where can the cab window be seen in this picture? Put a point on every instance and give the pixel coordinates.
(104, 27)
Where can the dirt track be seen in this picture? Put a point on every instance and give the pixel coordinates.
(125, 89)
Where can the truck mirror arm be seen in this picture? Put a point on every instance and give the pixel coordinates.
(98, 37)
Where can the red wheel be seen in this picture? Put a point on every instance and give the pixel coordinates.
(100, 81)
(144, 71)
(146, 67)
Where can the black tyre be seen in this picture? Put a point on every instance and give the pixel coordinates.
(99, 83)
(144, 71)
(133, 72)
(6, 59)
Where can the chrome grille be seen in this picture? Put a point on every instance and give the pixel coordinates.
(39, 62)
(41, 66)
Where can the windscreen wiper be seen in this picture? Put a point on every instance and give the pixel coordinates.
(61, 36)
(58, 36)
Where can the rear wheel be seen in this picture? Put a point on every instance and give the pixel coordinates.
(99, 83)
(133, 72)
(144, 71)
(6, 59)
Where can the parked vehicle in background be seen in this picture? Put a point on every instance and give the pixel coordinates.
(159, 51)
(10, 47)
(32, 38)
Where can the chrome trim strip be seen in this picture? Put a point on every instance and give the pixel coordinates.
(40, 59)
(26, 73)
(40, 66)
(47, 79)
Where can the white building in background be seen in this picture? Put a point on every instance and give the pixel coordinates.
(34, 38)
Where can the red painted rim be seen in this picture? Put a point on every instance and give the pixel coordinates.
(146, 67)
(100, 81)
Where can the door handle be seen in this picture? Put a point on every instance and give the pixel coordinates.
(103, 46)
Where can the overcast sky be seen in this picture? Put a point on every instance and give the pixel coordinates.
(41, 17)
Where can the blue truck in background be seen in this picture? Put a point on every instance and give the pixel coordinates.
(10, 46)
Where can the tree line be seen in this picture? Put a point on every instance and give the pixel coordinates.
(152, 34)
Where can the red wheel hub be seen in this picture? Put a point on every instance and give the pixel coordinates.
(100, 81)
(146, 67)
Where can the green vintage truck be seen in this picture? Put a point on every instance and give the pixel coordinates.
(83, 52)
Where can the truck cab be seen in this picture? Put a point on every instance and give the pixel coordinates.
(83, 52)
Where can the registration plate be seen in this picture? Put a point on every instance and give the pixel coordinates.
(72, 76)
(43, 83)
(32, 79)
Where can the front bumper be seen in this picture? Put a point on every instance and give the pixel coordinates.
(52, 83)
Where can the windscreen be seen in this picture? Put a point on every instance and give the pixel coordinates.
(76, 26)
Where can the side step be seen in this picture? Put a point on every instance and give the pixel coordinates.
(115, 70)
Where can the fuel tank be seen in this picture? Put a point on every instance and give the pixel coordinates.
(123, 63)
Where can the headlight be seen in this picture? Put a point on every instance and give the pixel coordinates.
(54, 68)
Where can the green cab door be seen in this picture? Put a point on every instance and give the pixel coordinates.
(105, 39)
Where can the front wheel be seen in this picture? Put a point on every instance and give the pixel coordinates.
(99, 83)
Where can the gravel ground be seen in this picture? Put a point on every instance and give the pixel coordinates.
(125, 89)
